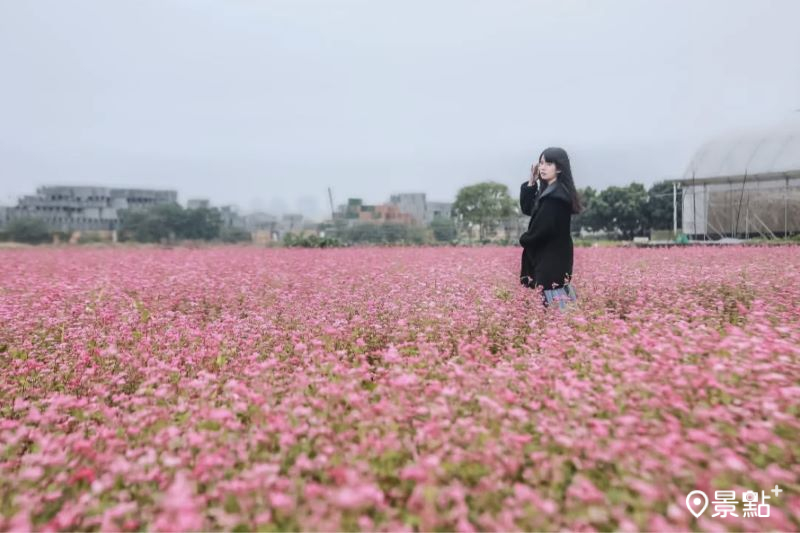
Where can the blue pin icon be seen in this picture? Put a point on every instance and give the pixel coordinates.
(697, 501)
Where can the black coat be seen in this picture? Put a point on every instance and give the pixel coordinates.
(547, 245)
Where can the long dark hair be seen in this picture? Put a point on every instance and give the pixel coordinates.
(561, 159)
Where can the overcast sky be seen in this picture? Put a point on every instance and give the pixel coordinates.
(266, 104)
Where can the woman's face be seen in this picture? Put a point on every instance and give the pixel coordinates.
(547, 171)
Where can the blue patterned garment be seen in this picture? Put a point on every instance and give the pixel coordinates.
(562, 296)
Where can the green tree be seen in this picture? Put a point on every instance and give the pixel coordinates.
(387, 233)
(169, 222)
(444, 229)
(202, 224)
(28, 230)
(310, 241)
(363, 233)
(234, 235)
(484, 204)
(623, 209)
(588, 218)
(393, 233)
(415, 235)
(151, 225)
(659, 206)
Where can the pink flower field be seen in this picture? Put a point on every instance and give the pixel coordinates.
(238, 388)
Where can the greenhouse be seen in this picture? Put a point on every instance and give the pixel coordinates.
(744, 185)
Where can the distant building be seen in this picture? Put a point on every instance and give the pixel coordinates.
(198, 203)
(436, 210)
(291, 223)
(228, 213)
(353, 208)
(4, 213)
(384, 213)
(356, 212)
(260, 222)
(413, 204)
(408, 208)
(230, 217)
(71, 208)
(263, 227)
(295, 224)
(350, 210)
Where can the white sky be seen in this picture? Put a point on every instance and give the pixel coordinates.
(265, 104)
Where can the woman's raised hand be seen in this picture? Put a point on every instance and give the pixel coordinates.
(534, 175)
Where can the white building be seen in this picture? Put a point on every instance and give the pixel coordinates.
(198, 203)
(69, 208)
(745, 185)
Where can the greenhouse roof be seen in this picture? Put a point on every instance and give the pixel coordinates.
(764, 151)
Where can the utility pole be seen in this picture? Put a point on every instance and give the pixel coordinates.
(674, 209)
(694, 206)
(330, 199)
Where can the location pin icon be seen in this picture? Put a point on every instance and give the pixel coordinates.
(697, 501)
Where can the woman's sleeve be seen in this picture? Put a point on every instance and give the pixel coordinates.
(527, 195)
(544, 223)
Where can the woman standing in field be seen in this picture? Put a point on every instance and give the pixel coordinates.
(550, 198)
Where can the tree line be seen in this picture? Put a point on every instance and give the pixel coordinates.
(619, 212)
(623, 212)
(171, 222)
(161, 223)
